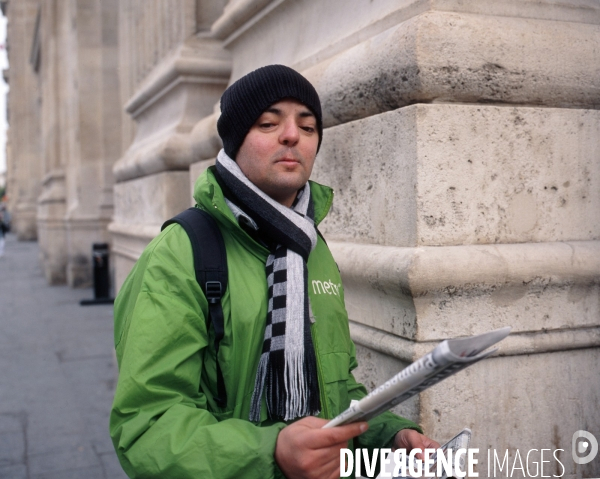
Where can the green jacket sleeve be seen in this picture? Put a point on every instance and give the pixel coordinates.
(160, 423)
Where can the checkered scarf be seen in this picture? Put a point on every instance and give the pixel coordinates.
(287, 372)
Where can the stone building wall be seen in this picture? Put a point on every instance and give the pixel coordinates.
(461, 139)
(172, 79)
(23, 166)
(70, 136)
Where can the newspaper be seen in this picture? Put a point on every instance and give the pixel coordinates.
(447, 358)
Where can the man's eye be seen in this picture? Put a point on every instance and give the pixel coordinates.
(266, 125)
(309, 129)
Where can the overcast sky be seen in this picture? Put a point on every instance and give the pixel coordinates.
(3, 90)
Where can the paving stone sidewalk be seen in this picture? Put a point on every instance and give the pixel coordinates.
(57, 376)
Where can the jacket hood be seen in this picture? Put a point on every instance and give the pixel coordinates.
(208, 195)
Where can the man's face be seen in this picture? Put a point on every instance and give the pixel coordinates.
(279, 151)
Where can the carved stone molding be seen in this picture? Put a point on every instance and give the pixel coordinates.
(455, 57)
(516, 344)
(179, 92)
(433, 293)
(237, 15)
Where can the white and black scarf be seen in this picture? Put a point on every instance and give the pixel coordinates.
(287, 371)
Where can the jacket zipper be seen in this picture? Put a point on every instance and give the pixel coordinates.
(320, 377)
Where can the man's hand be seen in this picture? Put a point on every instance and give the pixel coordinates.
(305, 451)
(410, 439)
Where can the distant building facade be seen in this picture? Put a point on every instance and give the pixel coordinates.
(64, 128)
(461, 139)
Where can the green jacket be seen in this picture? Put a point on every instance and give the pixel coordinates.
(164, 422)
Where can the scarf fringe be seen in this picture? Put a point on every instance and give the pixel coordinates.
(259, 385)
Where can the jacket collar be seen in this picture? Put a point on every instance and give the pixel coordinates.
(209, 196)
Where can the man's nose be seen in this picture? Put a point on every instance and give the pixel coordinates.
(290, 134)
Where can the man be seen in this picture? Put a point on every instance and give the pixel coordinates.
(286, 356)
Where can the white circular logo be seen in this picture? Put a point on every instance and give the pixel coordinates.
(590, 445)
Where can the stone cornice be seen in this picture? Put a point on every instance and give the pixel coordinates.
(534, 342)
(422, 270)
(171, 100)
(201, 58)
(53, 188)
(53, 176)
(437, 57)
(49, 222)
(430, 293)
(164, 151)
(238, 15)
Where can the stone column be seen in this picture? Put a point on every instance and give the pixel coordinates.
(55, 21)
(173, 76)
(81, 133)
(23, 164)
(462, 142)
(95, 135)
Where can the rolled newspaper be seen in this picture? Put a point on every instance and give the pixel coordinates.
(446, 359)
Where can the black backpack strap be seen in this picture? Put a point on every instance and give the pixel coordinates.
(210, 265)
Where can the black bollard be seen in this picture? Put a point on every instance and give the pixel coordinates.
(100, 257)
(101, 272)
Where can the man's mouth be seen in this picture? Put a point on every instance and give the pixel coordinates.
(288, 161)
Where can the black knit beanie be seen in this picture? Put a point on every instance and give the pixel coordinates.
(246, 99)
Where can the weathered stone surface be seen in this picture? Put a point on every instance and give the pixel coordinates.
(517, 343)
(128, 242)
(375, 368)
(464, 174)
(162, 195)
(521, 402)
(51, 208)
(149, 31)
(23, 166)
